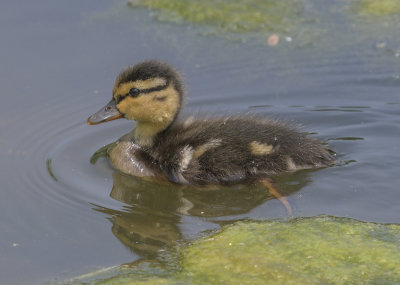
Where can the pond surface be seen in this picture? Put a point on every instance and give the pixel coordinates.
(338, 75)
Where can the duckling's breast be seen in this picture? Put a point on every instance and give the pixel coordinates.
(125, 157)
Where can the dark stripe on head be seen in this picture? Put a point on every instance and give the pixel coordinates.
(146, 70)
(145, 91)
(154, 89)
(151, 69)
(160, 98)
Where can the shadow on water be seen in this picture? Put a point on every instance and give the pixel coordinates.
(150, 220)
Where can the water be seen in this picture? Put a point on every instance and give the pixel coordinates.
(60, 216)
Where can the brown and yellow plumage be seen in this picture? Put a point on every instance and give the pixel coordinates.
(219, 150)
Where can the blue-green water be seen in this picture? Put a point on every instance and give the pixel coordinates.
(337, 75)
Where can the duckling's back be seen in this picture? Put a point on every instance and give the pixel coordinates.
(235, 150)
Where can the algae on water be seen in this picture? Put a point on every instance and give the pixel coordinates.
(303, 251)
(324, 249)
(230, 16)
(303, 21)
(378, 7)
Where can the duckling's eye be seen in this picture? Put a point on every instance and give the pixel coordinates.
(134, 92)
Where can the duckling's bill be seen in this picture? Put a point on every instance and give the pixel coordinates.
(108, 113)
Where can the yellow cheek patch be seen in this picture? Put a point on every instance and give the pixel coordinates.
(169, 106)
(125, 105)
(258, 148)
(200, 150)
(123, 89)
(146, 108)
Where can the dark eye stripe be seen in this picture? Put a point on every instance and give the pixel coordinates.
(160, 98)
(119, 98)
(154, 89)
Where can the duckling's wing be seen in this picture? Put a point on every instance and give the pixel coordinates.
(235, 149)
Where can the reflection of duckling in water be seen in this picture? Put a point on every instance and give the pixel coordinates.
(151, 217)
(222, 150)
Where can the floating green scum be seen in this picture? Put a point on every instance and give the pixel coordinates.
(318, 250)
(230, 16)
(378, 8)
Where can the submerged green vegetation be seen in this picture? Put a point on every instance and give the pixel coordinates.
(305, 22)
(50, 170)
(252, 15)
(322, 249)
(378, 7)
(230, 16)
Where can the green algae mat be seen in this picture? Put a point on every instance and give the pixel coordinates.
(229, 16)
(378, 7)
(255, 15)
(298, 23)
(318, 250)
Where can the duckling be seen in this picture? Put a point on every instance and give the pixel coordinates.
(217, 150)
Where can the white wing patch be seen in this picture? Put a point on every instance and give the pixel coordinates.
(290, 164)
(186, 157)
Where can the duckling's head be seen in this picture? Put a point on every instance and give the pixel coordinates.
(150, 93)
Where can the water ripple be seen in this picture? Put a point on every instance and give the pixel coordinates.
(63, 147)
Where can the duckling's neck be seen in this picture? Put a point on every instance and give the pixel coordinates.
(145, 132)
